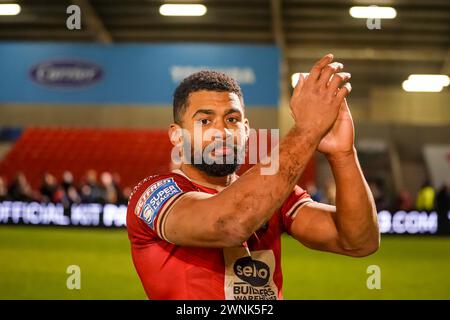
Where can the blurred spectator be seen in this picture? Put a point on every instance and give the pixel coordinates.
(443, 207)
(405, 201)
(70, 193)
(3, 190)
(67, 180)
(86, 194)
(379, 194)
(108, 189)
(20, 189)
(443, 198)
(126, 194)
(314, 192)
(90, 190)
(48, 188)
(59, 195)
(121, 198)
(425, 197)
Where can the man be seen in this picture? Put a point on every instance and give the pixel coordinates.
(201, 232)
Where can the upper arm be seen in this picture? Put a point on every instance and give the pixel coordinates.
(203, 220)
(314, 226)
(190, 221)
(172, 209)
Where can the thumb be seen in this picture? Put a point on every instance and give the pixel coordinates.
(344, 111)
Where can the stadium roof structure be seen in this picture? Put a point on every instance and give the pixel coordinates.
(416, 41)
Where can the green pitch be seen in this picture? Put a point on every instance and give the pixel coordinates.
(33, 263)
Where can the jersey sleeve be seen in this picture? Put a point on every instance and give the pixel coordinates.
(295, 201)
(151, 201)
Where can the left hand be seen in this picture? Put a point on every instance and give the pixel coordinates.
(340, 138)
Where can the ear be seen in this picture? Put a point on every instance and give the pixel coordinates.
(175, 134)
(247, 129)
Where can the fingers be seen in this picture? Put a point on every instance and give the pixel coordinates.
(317, 68)
(343, 92)
(299, 85)
(328, 71)
(337, 80)
(325, 79)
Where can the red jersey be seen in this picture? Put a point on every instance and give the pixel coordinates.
(169, 271)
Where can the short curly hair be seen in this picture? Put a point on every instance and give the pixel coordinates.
(209, 80)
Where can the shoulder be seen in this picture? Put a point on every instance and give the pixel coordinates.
(166, 185)
(154, 182)
(150, 199)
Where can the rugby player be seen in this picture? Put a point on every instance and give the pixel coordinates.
(202, 232)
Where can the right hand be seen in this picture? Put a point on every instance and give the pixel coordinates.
(316, 98)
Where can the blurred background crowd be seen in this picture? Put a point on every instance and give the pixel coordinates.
(105, 187)
(92, 188)
(426, 199)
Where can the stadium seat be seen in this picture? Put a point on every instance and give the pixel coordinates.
(129, 152)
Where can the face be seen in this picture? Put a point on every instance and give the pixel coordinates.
(215, 132)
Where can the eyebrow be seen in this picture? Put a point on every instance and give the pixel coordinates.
(210, 111)
(205, 111)
(233, 110)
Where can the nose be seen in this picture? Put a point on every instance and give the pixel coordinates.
(226, 133)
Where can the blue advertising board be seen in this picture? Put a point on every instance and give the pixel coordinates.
(147, 74)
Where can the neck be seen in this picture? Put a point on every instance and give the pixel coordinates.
(200, 176)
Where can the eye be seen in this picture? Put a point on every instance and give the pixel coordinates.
(204, 122)
(233, 120)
